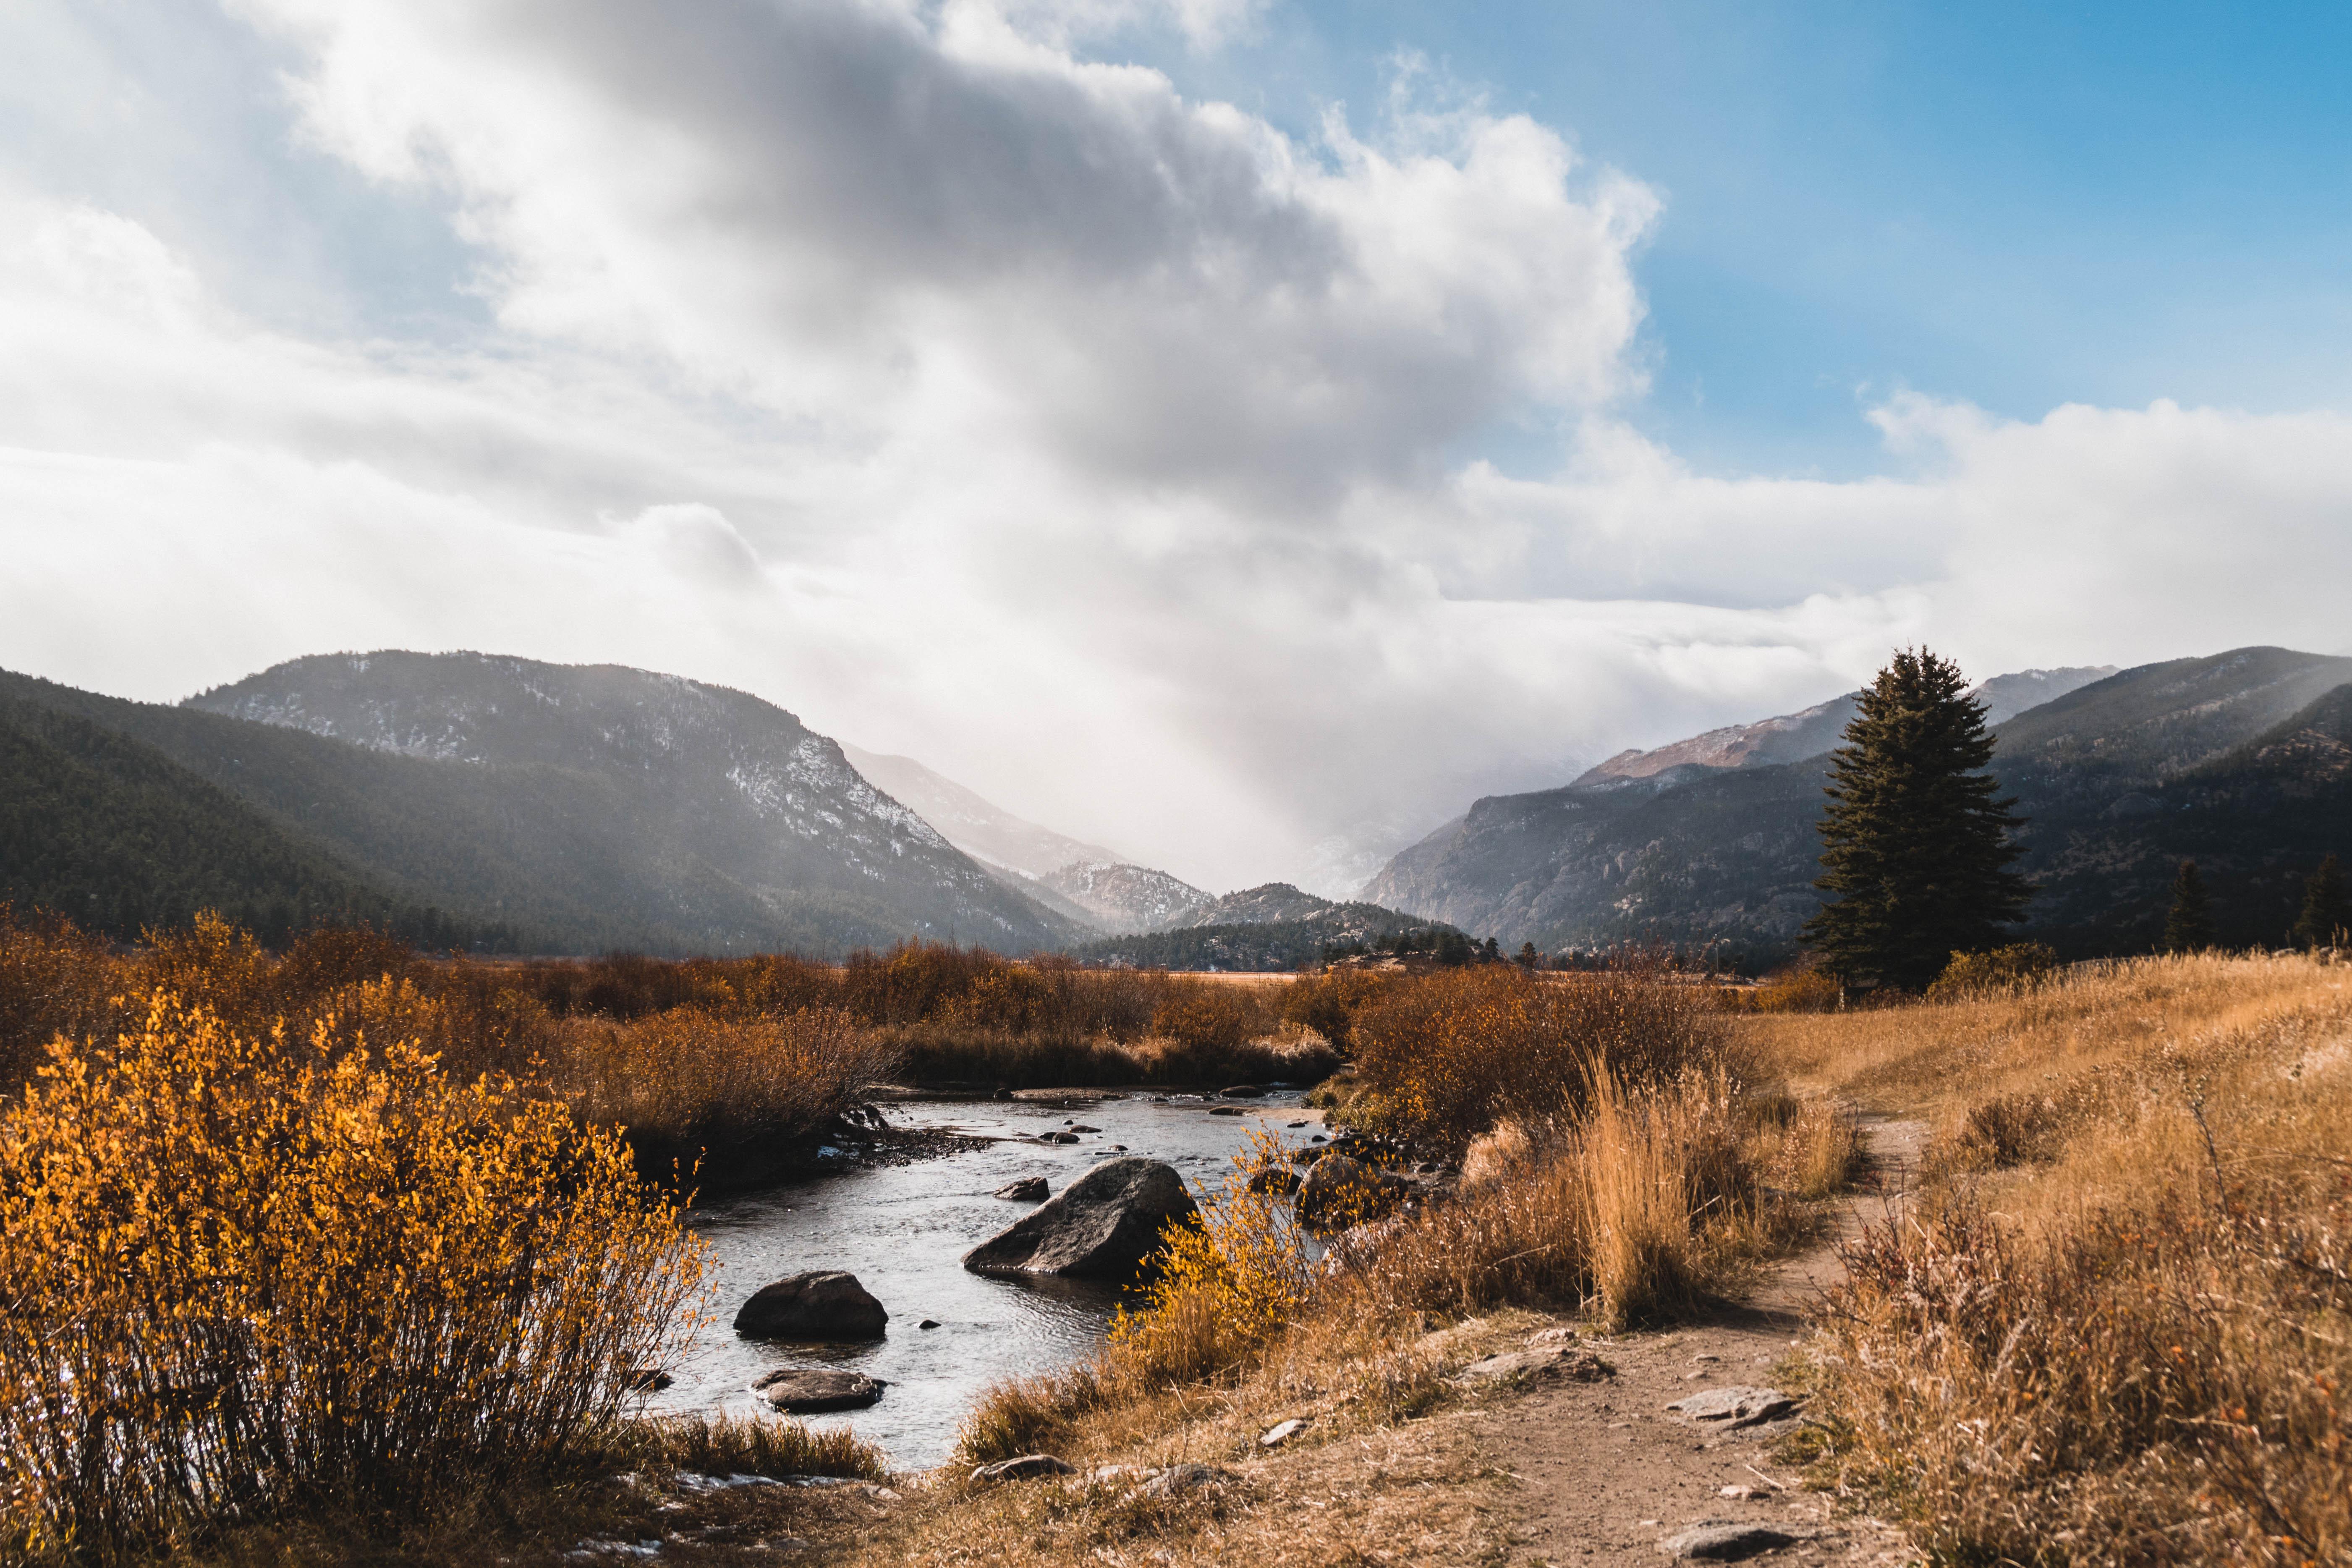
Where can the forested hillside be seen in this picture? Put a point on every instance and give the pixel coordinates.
(2229, 759)
(594, 808)
(111, 832)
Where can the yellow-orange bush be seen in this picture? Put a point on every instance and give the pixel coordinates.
(688, 1073)
(1444, 1056)
(1226, 1282)
(242, 1274)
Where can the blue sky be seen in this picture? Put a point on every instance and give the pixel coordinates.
(1045, 389)
(2017, 205)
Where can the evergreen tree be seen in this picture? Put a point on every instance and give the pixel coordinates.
(1914, 845)
(2188, 927)
(2324, 916)
(1528, 957)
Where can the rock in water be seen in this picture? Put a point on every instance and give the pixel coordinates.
(1273, 1179)
(1027, 1190)
(1102, 1226)
(809, 1391)
(825, 1305)
(1340, 1192)
(1716, 1541)
(1244, 1091)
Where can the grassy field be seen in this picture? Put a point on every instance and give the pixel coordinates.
(2116, 1326)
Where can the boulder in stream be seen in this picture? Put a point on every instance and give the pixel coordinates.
(1027, 1190)
(821, 1306)
(811, 1390)
(1101, 1226)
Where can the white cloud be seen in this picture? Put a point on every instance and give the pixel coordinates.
(982, 402)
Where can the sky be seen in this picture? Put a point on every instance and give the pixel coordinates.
(1240, 432)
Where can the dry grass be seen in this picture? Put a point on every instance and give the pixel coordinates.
(740, 1446)
(2118, 1329)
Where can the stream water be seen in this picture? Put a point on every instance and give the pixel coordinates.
(903, 1230)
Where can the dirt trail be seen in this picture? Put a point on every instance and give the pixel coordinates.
(1610, 1472)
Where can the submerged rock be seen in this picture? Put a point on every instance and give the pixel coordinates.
(1102, 1226)
(809, 1391)
(822, 1305)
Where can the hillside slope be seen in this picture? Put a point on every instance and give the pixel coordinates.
(2118, 778)
(1124, 899)
(977, 826)
(722, 816)
(112, 833)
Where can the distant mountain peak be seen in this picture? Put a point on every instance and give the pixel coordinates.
(979, 827)
(1127, 897)
(1809, 731)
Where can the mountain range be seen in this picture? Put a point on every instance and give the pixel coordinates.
(473, 800)
(2237, 760)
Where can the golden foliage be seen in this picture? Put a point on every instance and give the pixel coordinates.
(1442, 1057)
(242, 1274)
(688, 1072)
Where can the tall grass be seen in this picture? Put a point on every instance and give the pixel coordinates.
(2118, 1329)
(244, 1274)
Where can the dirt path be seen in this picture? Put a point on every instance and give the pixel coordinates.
(1610, 1472)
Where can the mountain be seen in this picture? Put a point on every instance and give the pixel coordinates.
(1124, 899)
(598, 807)
(981, 831)
(1268, 904)
(2118, 777)
(112, 833)
(1792, 737)
(1261, 946)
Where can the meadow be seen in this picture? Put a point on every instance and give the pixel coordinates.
(2115, 1325)
(343, 1253)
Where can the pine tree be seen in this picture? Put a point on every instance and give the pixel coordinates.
(2189, 925)
(2324, 918)
(1914, 845)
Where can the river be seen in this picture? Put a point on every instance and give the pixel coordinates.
(903, 1230)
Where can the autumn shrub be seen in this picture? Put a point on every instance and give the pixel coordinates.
(54, 979)
(1998, 968)
(1327, 1003)
(1444, 1056)
(688, 1074)
(244, 1274)
(1799, 988)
